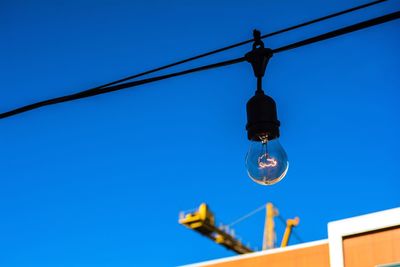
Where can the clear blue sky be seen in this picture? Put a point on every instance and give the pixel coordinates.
(100, 181)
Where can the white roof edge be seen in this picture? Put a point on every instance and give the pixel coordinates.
(259, 253)
(370, 222)
(337, 230)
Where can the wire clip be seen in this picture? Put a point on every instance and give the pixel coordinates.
(259, 56)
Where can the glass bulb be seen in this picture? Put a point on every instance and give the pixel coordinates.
(266, 161)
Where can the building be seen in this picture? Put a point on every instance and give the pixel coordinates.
(371, 240)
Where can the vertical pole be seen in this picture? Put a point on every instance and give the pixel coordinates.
(269, 227)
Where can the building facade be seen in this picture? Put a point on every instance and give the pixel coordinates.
(371, 240)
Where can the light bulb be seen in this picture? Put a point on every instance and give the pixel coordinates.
(266, 161)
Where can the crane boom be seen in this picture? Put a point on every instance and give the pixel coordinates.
(202, 221)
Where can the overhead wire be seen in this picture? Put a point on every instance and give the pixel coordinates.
(212, 52)
(96, 91)
(341, 31)
(93, 92)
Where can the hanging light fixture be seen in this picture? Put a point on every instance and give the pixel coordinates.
(266, 160)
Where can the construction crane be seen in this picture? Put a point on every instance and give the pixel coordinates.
(202, 221)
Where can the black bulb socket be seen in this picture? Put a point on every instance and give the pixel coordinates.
(262, 118)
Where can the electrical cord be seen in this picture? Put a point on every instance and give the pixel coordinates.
(341, 31)
(243, 43)
(97, 91)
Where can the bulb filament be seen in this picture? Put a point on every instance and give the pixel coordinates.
(265, 162)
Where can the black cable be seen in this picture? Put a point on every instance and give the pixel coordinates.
(321, 19)
(95, 91)
(241, 43)
(341, 31)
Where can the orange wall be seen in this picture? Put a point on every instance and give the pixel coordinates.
(362, 250)
(372, 248)
(315, 256)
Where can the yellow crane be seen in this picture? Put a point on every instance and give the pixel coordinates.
(202, 221)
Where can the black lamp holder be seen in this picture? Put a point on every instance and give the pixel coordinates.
(262, 119)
